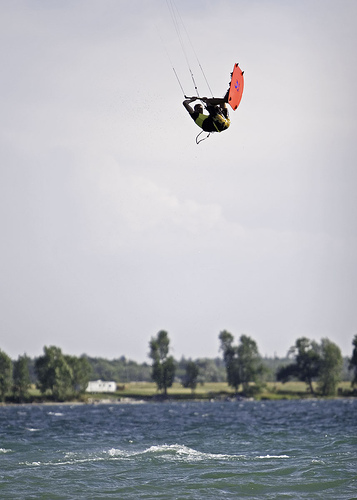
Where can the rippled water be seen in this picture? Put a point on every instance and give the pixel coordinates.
(282, 449)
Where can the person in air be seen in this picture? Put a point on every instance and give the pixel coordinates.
(217, 119)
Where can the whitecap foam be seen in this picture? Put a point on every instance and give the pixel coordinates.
(113, 452)
(67, 460)
(172, 452)
(5, 450)
(273, 456)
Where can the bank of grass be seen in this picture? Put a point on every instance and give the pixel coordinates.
(147, 391)
(213, 391)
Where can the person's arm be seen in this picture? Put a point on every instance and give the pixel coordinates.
(187, 103)
(213, 101)
(224, 110)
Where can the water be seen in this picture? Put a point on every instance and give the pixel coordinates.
(221, 450)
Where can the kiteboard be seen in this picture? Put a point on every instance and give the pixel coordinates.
(236, 87)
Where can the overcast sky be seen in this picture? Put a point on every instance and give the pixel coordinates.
(115, 224)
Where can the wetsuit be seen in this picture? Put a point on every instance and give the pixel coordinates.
(216, 121)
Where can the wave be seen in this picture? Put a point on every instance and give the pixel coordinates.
(156, 453)
(5, 450)
(166, 453)
(172, 452)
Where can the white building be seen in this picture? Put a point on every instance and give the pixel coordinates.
(100, 386)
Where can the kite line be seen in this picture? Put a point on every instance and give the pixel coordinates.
(178, 22)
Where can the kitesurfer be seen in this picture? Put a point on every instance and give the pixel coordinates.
(217, 119)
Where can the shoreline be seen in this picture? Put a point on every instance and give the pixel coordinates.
(146, 400)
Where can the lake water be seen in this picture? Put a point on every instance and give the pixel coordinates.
(197, 450)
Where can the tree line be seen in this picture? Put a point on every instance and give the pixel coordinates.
(58, 376)
(63, 377)
(309, 361)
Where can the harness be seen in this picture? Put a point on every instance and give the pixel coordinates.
(220, 123)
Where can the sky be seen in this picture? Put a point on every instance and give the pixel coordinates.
(116, 225)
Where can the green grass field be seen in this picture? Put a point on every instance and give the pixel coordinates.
(208, 391)
(273, 390)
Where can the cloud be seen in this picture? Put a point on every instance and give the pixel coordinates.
(123, 208)
(115, 222)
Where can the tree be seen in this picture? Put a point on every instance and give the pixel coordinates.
(54, 373)
(249, 362)
(211, 370)
(330, 367)
(81, 372)
(353, 361)
(307, 363)
(191, 375)
(21, 378)
(230, 357)
(243, 362)
(163, 367)
(5, 374)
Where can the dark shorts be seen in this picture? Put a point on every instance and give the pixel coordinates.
(208, 125)
(212, 125)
